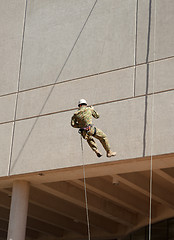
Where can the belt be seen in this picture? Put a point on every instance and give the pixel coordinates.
(87, 129)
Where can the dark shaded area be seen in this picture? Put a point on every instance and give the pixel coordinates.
(160, 231)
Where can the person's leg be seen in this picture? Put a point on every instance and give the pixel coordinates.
(91, 143)
(101, 136)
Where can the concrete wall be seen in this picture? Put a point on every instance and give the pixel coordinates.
(65, 58)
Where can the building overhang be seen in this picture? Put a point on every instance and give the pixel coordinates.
(118, 198)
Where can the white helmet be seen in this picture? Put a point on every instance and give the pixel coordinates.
(82, 101)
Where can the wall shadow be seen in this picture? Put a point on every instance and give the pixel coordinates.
(147, 77)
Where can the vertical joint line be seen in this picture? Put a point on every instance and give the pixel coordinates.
(17, 94)
(135, 48)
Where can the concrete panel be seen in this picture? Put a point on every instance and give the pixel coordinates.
(43, 144)
(107, 41)
(51, 29)
(159, 74)
(51, 143)
(11, 27)
(5, 144)
(161, 38)
(7, 108)
(162, 135)
(97, 89)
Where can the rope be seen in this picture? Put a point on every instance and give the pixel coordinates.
(86, 199)
(16, 102)
(152, 123)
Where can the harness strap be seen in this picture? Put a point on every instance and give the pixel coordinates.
(87, 129)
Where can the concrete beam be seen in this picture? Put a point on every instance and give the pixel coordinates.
(98, 205)
(44, 213)
(33, 225)
(141, 184)
(45, 228)
(115, 194)
(61, 205)
(93, 170)
(48, 216)
(164, 175)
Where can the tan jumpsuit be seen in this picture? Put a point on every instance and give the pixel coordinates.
(82, 119)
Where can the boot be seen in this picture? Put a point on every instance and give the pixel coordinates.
(110, 153)
(98, 153)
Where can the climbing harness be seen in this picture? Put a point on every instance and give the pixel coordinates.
(87, 129)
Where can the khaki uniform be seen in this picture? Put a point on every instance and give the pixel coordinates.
(82, 119)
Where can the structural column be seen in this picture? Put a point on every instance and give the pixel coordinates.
(18, 211)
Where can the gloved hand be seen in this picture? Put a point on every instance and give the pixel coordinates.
(91, 107)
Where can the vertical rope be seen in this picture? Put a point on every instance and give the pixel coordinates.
(86, 199)
(152, 123)
(16, 103)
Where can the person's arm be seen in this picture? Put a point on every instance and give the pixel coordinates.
(74, 124)
(94, 113)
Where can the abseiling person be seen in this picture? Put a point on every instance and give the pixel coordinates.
(82, 119)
